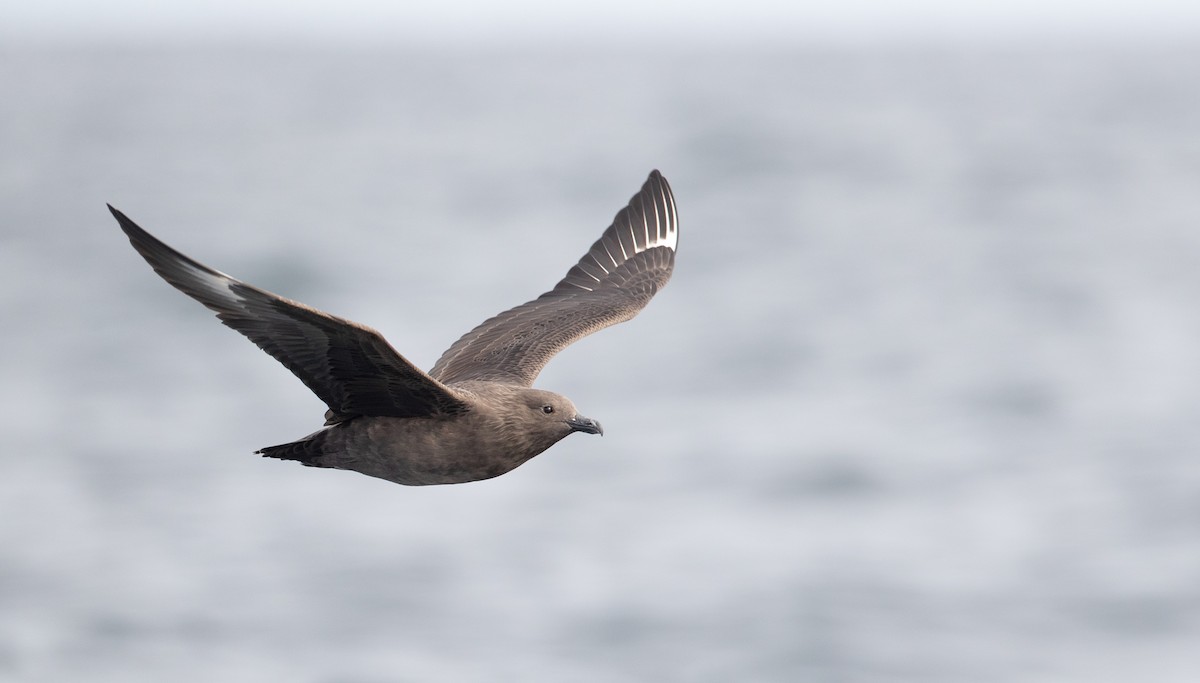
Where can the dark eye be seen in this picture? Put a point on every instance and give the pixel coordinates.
(547, 409)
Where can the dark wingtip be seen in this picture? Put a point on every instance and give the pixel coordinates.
(127, 225)
(656, 178)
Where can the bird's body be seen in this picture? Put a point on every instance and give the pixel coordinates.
(475, 415)
(490, 438)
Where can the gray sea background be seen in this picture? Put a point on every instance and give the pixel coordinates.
(920, 404)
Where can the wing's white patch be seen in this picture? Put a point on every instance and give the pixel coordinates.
(664, 215)
(610, 256)
(672, 237)
(219, 285)
(646, 228)
(659, 217)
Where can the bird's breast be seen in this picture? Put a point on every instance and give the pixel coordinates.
(423, 451)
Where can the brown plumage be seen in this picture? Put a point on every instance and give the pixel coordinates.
(475, 415)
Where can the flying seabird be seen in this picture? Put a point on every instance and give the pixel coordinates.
(475, 415)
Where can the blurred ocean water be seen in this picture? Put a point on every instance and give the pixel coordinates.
(919, 404)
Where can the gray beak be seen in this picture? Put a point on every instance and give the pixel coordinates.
(580, 423)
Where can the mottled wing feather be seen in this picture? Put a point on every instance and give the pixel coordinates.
(349, 366)
(613, 281)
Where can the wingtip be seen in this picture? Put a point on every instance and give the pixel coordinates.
(121, 218)
(132, 230)
(657, 179)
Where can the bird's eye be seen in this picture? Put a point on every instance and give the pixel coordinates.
(547, 409)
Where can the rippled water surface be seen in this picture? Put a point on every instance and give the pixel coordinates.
(920, 402)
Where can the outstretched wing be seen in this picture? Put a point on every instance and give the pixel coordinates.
(349, 366)
(627, 266)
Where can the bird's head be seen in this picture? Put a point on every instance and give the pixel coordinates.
(555, 415)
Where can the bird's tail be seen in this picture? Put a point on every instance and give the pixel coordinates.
(307, 451)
